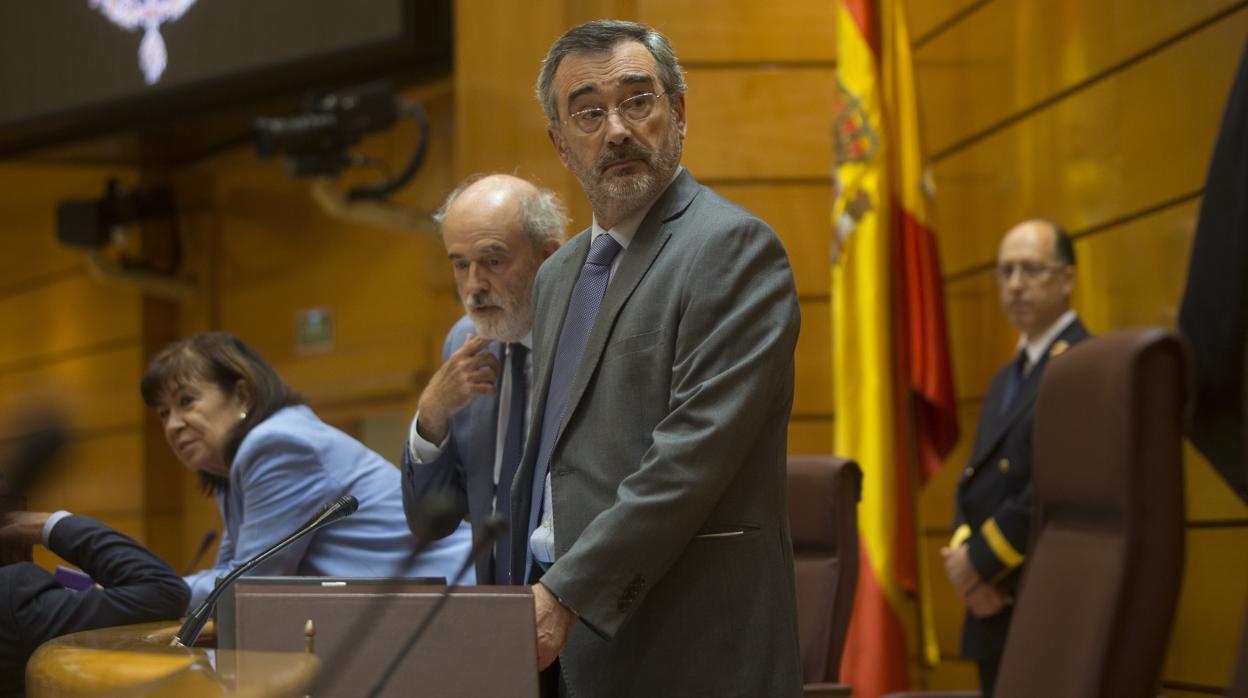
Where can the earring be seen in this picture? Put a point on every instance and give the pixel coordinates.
(242, 415)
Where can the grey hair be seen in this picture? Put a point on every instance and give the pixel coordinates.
(542, 214)
(602, 35)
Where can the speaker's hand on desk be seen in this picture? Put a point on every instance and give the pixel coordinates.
(554, 622)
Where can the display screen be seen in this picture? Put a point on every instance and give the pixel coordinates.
(89, 65)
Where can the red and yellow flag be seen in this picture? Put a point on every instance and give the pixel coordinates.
(894, 403)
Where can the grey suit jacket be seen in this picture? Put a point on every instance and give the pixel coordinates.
(668, 476)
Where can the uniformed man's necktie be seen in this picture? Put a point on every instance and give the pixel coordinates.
(1018, 372)
(513, 450)
(582, 310)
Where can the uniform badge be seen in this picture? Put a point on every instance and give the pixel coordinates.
(1059, 347)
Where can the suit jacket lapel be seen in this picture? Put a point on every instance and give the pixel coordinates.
(651, 237)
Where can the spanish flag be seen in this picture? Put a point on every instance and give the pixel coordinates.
(894, 405)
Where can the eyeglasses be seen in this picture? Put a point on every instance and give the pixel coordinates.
(635, 109)
(1030, 271)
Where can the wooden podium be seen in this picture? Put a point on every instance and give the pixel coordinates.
(481, 644)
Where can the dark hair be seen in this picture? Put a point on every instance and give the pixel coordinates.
(224, 360)
(1063, 247)
(602, 35)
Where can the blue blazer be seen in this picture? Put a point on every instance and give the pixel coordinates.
(290, 465)
(465, 468)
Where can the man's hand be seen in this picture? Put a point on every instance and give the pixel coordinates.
(554, 622)
(986, 600)
(959, 570)
(468, 372)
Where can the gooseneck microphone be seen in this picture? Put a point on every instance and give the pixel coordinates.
(491, 530)
(335, 511)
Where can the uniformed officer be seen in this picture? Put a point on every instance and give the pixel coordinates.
(1035, 274)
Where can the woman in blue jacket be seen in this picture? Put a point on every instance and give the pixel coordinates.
(272, 463)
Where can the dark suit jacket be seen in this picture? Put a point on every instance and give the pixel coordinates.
(993, 512)
(668, 477)
(464, 472)
(34, 608)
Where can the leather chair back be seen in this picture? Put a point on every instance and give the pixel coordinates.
(1102, 579)
(823, 494)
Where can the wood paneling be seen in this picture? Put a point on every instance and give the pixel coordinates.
(760, 122)
(97, 476)
(739, 31)
(1011, 55)
(810, 437)
(1145, 261)
(925, 16)
(98, 390)
(801, 215)
(813, 390)
(1098, 155)
(980, 339)
(1211, 604)
(500, 124)
(66, 315)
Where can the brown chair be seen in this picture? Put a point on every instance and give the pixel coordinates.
(1102, 579)
(823, 496)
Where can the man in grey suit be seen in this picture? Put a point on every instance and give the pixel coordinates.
(653, 483)
(466, 439)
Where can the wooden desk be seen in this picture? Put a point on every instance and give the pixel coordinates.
(137, 660)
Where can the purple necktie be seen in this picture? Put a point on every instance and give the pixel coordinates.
(582, 310)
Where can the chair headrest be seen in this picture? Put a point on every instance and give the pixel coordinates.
(819, 489)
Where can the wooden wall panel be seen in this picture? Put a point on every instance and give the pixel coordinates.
(814, 366)
(760, 122)
(980, 339)
(739, 31)
(101, 475)
(811, 437)
(927, 16)
(1011, 55)
(1083, 160)
(1145, 261)
(98, 390)
(69, 314)
(801, 215)
(1211, 604)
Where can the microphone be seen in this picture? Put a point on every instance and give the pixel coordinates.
(210, 536)
(335, 511)
(492, 529)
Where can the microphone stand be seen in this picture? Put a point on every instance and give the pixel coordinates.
(494, 527)
(335, 511)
